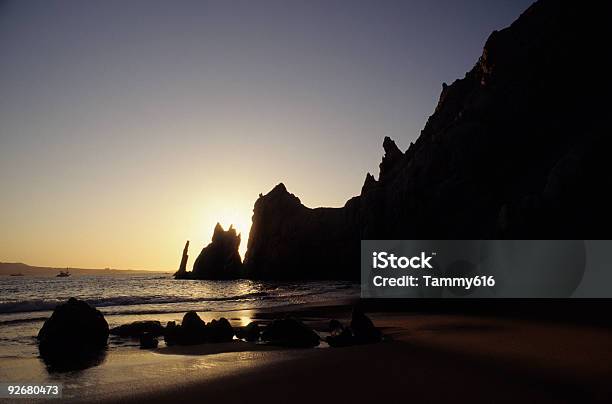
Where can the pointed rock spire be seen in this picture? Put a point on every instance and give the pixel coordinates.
(218, 232)
(370, 183)
(391, 158)
(183, 265)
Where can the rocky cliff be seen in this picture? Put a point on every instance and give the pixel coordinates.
(290, 241)
(515, 149)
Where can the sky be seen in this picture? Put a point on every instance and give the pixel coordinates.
(128, 127)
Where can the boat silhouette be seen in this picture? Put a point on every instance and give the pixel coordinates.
(63, 274)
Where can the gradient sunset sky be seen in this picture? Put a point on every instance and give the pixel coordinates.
(128, 127)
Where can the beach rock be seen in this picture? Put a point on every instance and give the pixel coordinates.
(192, 322)
(171, 333)
(517, 149)
(74, 337)
(148, 341)
(342, 339)
(363, 329)
(193, 330)
(249, 333)
(219, 259)
(335, 327)
(220, 331)
(290, 332)
(340, 336)
(138, 328)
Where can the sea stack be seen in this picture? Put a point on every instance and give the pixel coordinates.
(183, 266)
(218, 260)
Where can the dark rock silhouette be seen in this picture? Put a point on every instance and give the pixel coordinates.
(148, 341)
(391, 160)
(361, 331)
(192, 322)
(193, 330)
(290, 332)
(517, 149)
(74, 337)
(183, 266)
(249, 333)
(220, 330)
(340, 336)
(172, 333)
(335, 327)
(219, 259)
(290, 241)
(138, 328)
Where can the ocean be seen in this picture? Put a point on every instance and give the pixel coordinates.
(26, 302)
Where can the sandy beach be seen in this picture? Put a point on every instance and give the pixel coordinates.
(428, 358)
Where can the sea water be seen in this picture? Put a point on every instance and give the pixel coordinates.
(25, 302)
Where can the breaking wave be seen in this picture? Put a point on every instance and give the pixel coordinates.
(49, 304)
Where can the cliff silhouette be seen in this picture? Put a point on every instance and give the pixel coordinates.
(290, 241)
(515, 149)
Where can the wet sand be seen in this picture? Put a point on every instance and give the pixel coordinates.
(426, 358)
